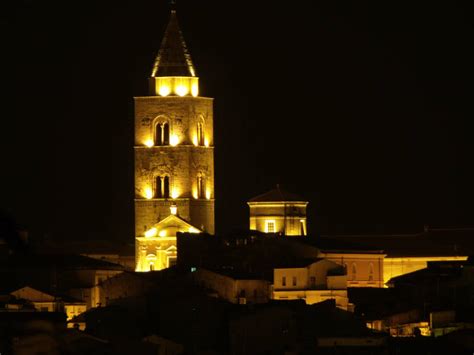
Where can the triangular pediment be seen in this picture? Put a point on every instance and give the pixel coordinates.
(169, 226)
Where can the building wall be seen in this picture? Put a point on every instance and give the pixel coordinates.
(290, 278)
(155, 253)
(394, 267)
(323, 288)
(289, 217)
(230, 289)
(369, 268)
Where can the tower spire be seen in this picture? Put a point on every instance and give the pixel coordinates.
(173, 58)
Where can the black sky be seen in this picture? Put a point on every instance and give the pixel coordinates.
(363, 107)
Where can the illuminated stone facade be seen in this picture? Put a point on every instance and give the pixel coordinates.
(278, 211)
(174, 156)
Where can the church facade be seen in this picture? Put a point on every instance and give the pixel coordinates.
(174, 156)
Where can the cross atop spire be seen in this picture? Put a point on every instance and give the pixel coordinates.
(173, 58)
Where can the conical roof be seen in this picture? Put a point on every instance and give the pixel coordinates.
(173, 58)
(277, 195)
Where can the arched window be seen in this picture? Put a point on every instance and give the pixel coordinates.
(371, 272)
(166, 187)
(166, 133)
(162, 187)
(162, 134)
(354, 271)
(200, 133)
(200, 187)
(158, 187)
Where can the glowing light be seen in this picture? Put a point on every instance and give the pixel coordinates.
(193, 230)
(164, 90)
(208, 193)
(173, 210)
(206, 142)
(195, 140)
(148, 193)
(181, 90)
(174, 140)
(162, 233)
(149, 143)
(195, 192)
(194, 89)
(151, 232)
(270, 226)
(175, 193)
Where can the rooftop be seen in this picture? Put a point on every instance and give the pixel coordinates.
(277, 195)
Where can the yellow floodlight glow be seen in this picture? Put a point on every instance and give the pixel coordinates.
(195, 192)
(195, 140)
(174, 140)
(148, 193)
(208, 193)
(174, 210)
(193, 230)
(181, 90)
(151, 232)
(149, 143)
(164, 90)
(194, 89)
(175, 193)
(206, 142)
(162, 233)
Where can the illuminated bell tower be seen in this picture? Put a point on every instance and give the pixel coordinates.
(174, 156)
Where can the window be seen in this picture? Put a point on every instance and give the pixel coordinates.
(152, 266)
(371, 272)
(166, 187)
(354, 271)
(294, 280)
(43, 309)
(283, 281)
(312, 281)
(162, 134)
(255, 293)
(200, 133)
(200, 187)
(269, 226)
(162, 187)
(166, 134)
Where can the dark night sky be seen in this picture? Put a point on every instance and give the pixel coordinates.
(362, 108)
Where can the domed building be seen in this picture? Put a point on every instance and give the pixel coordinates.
(278, 211)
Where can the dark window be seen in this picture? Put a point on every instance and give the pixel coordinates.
(162, 187)
(166, 187)
(162, 134)
(283, 281)
(312, 281)
(200, 134)
(200, 187)
(294, 280)
(158, 187)
(166, 134)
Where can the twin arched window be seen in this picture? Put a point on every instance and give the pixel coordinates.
(162, 133)
(162, 187)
